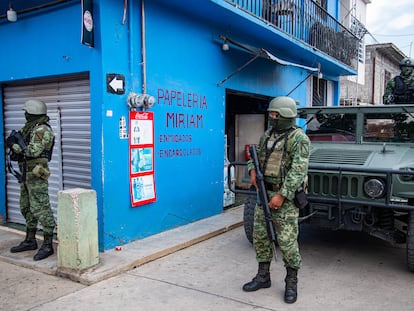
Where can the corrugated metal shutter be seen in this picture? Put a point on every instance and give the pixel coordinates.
(68, 104)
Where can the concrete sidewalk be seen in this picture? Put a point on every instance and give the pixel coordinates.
(131, 255)
(343, 271)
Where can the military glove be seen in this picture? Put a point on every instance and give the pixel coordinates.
(41, 172)
(16, 148)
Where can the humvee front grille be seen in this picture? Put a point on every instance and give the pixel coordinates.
(330, 185)
(339, 156)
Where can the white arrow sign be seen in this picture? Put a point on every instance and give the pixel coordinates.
(116, 85)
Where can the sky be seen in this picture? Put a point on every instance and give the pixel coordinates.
(391, 21)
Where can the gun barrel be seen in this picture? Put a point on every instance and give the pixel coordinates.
(264, 200)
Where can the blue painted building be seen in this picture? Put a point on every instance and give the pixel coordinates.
(211, 67)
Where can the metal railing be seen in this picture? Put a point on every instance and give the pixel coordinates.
(308, 22)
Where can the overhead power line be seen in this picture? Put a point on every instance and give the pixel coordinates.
(383, 35)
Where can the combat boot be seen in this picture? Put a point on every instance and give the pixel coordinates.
(291, 280)
(261, 280)
(46, 249)
(28, 244)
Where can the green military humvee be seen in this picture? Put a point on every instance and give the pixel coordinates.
(361, 172)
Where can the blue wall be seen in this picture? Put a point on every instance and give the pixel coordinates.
(36, 46)
(45, 44)
(184, 63)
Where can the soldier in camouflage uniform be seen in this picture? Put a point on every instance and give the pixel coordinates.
(294, 162)
(400, 89)
(33, 163)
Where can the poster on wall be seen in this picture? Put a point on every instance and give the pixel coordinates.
(141, 157)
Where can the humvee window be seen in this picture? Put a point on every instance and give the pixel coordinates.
(331, 127)
(389, 128)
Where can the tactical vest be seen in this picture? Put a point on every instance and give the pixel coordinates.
(46, 153)
(274, 157)
(403, 94)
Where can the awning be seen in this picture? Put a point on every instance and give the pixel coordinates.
(259, 52)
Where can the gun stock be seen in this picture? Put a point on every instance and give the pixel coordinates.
(264, 200)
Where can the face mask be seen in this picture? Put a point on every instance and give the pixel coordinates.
(406, 71)
(280, 124)
(30, 117)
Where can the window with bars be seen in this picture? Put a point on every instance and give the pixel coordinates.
(319, 92)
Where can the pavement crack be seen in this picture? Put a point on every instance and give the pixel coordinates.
(206, 292)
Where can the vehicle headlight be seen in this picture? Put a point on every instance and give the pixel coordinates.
(374, 187)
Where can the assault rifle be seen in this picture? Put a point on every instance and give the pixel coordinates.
(264, 200)
(16, 137)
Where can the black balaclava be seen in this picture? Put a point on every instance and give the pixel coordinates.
(281, 124)
(32, 117)
(407, 73)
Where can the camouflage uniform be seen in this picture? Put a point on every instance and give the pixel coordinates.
(34, 197)
(32, 147)
(400, 89)
(286, 217)
(283, 154)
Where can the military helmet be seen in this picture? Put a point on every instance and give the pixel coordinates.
(407, 62)
(35, 106)
(285, 106)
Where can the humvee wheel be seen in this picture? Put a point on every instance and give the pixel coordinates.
(248, 216)
(410, 242)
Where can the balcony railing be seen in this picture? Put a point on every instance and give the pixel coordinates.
(308, 22)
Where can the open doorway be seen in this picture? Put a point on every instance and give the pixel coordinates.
(246, 119)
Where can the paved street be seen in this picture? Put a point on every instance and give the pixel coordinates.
(341, 271)
(23, 289)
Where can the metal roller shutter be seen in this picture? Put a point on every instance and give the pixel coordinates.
(68, 104)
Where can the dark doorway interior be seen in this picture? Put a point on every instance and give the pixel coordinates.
(241, 103)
